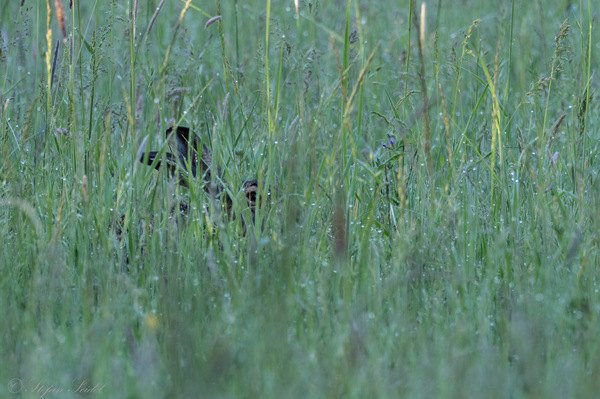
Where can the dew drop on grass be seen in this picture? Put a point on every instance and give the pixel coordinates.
(539, 297)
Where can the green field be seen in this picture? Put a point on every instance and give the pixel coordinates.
(432, 228)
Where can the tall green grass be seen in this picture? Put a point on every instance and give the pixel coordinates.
(458, 259)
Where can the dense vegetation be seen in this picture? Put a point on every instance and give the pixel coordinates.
(432, 224)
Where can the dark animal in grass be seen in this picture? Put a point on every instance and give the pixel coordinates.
(184, 155)
(187, 154)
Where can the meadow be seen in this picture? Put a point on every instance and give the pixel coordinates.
(433, 217)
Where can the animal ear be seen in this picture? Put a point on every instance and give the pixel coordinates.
(186, 144)
(183, 133)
